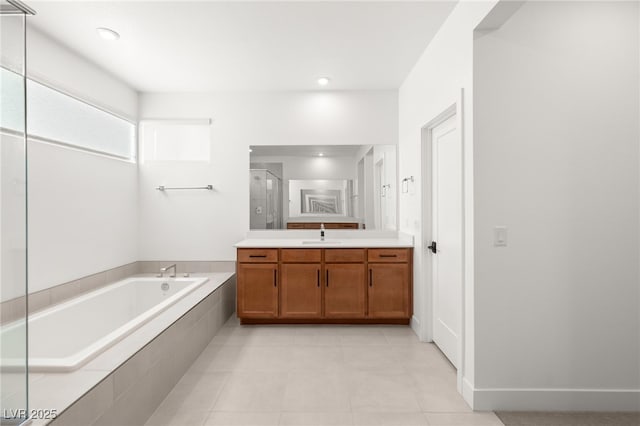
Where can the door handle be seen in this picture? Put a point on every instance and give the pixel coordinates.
(433, 247)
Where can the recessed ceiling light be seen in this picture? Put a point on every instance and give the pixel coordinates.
(250, 150)
(323, 81)
(320, 154)
(108, 34)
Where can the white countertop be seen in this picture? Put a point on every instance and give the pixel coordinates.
(334, 239)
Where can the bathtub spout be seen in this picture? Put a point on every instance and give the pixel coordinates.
(165, 269)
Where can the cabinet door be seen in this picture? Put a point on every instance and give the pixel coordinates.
(257, 290)
(388, 289)
(344, 292)
(300, 292)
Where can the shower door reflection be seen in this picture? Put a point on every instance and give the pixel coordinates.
(265, 200)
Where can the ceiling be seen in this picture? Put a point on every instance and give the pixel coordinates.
(304, 150)
(184, 46)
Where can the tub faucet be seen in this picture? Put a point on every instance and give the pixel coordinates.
(166, 268)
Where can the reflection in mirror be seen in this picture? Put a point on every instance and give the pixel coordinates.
(340, 186)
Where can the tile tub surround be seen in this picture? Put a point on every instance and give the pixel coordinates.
(190, 266)
(123, 385)
(318, 376)
(13, 309)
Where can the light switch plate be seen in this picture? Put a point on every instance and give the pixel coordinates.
(500, 236)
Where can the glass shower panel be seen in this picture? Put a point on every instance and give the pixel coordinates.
(13, 214)
(273, 202)
(265, 191)
(258, 199)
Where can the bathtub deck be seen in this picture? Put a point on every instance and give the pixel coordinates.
(58, 391)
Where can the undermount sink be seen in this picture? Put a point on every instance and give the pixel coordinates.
(321, 242)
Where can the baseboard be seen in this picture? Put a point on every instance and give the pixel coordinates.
(554, 399)
(415, 326)
(467, 391)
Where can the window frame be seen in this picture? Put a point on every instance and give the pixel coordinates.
(133, 158)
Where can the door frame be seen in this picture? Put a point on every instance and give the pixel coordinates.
(378, 178)
(455, 108)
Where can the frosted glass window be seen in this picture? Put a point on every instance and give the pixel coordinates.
(175, 140)
(11, 101)
(57, 117)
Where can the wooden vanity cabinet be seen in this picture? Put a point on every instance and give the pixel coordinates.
(332, 285)
(257, 283)
(316, 225)
(301, 288)
(389, 283)
(345, 284)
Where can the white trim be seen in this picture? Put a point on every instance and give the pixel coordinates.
(415, 326)
(456, 108)
(516, 399)
(467, 392)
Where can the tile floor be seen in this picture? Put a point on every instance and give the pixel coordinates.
(317, 376)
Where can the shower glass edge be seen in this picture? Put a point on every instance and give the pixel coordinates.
(14, 380)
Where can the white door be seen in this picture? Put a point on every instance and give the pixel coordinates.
(447, 233)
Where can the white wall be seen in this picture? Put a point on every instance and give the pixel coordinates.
(556, 112)
(55, 65)
(82, 207)
(433, 85)
(205, 225)
(82, 214)
(12, 163)
(13, 237)
(311, 167)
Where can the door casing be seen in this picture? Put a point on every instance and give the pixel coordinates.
(426, 303)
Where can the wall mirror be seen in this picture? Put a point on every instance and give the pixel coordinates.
(340, 186)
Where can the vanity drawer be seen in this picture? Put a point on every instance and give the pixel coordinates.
(296, 225)
(343, 255)
(301, 255)
(257, 255)
(389, 255)
(341, 225)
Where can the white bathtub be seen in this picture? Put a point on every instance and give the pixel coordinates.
(67, 336)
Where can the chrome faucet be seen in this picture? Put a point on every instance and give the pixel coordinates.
(166, 268)
(322, 232)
